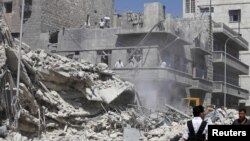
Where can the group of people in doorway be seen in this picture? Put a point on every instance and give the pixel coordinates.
(132, 63)
(197, 128)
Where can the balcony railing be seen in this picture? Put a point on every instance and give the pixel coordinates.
(235, 63)
(221, 27)
(218, 87)
(156, 73)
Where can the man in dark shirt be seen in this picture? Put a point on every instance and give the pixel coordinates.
(242, 118)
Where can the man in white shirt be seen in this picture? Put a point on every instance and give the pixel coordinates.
(196, 129)
(163, 64)
(119, 64)
(102, 24)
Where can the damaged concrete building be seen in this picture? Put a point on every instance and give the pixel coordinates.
(233, 13)
(167, 58)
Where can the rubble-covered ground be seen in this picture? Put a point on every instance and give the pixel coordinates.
(112, 126)
(63, 99)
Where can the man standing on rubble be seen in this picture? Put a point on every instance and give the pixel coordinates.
(242, 118)
(196, 129)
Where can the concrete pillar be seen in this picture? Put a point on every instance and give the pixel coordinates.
(116, 20)
(207, 99)
(188, 92)
(153, 14)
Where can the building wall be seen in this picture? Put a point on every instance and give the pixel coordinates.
(221, 13)
(153, 13)
(13, 18)
(64, 13)
(52, 15)
(75, 39)
(68, 13)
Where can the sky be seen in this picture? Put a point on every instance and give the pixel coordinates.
(173, 7)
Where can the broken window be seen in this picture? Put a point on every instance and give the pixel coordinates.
(8, 7)
(54, 37)
(77, 52)
(15, 35)
(104, 56)
(234, 15)
(27, 10)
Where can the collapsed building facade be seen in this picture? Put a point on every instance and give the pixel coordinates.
(189, 49)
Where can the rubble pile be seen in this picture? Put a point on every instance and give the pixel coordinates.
(61, 90)
(222, 116)
(55, 91)
(112, 126)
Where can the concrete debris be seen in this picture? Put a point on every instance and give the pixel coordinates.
(222, 116)
(180, 113)
(95, 83)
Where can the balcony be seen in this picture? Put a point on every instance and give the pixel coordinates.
(200, 51)
(155, 74)
(201, 81)
(232, 62)
(223, 32)
(218, 87)
(142, 33)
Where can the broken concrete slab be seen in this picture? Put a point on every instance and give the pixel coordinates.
(12, 61)
(28, 100)
(132, 134)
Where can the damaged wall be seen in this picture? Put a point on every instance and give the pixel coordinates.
(197, 32)
(48, 16)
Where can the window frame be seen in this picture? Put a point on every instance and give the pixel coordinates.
(232, 13)
(187, 6)
(192, 6)
(10, 7)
